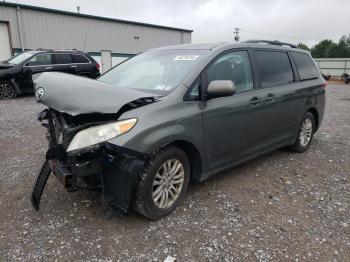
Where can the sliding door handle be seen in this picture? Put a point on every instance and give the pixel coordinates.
(270, 98)
(255, 101)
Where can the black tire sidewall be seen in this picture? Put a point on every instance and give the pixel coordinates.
(300, 148)
(156, 162)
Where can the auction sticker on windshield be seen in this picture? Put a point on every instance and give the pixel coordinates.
(186, 57)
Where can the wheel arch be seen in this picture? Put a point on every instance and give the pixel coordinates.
(314, 112)
(193, 155)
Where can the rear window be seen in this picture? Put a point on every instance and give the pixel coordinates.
(306, 68)
(274, 68)
(80, 59)
(63, 59)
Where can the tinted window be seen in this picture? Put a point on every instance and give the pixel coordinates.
(234, 66)
(80, 59)
(306, 68)
(63, 59)
(41, 59)
(274, 68)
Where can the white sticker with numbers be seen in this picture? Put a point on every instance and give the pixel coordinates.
(186, 57)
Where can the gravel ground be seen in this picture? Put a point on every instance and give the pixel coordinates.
(279, 207)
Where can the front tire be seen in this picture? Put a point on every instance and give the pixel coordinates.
(305, 134)
(163, 183)
(7, 90)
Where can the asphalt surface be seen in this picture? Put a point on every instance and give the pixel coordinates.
(280, 207)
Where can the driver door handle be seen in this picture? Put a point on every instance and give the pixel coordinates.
(49, 67)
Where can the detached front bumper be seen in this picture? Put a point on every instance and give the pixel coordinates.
(106, 167)
(110, 169)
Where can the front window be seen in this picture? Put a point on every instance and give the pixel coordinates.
(20, 58)
(155, 71)
(40, 60)
(234, 66)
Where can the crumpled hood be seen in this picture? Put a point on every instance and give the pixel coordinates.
(77, 95)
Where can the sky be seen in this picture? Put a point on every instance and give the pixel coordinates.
(293, 21)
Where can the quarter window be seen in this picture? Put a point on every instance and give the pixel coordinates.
(40, 60)
(63, 59)
(234, 66)
(274, 68)
(194, 91)
(306, 68)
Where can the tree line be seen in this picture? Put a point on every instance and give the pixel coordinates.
(329, 49)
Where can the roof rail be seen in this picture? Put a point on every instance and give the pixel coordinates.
(57, 50)
(275, 42)
(42, 49)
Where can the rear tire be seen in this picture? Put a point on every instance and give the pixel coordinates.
(7, 90)
(163, 183)
(305, 134)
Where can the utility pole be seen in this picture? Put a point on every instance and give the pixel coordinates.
(236, 33)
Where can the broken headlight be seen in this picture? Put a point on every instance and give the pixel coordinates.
(101, 133)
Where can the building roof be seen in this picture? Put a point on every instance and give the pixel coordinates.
(49, 10)
(203, 46)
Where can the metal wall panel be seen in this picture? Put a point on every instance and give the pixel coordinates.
(8, 14)
(60, 31)
(333, 66)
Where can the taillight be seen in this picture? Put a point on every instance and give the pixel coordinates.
(324, 85)
(98, 66)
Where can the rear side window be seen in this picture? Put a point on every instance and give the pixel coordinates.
(306, 68)
(63, 59)
(80, 59)
(274, 68)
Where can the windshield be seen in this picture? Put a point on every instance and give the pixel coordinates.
(20, 58)
(155, 71)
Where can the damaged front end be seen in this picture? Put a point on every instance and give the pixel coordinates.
(105, 167)
(80, 156)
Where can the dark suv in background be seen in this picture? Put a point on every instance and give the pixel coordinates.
(16, 73)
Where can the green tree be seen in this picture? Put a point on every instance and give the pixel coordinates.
(329, 49)
(322, 49)
(343, 47)
(303, 46)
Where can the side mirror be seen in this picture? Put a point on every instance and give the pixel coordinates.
(221, 88)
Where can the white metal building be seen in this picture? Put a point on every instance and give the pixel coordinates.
(24, 27)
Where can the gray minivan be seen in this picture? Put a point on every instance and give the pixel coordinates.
(142, 130)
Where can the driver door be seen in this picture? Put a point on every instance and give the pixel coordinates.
(231, 131)
(37, 64)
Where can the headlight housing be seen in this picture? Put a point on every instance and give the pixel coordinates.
(101, 133)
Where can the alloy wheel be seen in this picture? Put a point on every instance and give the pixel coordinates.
(305, 132)
(6, 91)
(167, 183)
